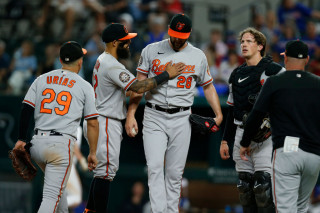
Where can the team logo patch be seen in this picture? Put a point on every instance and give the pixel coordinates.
(125, 29)
(207, 124)
(140, 61)
(124, 77)
(180, 26)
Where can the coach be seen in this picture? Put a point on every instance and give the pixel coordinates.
(292, 100)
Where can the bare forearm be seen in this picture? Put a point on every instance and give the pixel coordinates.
(134, 103)
(135, 98)
(93, 134)
(143, 86)
(213, 100)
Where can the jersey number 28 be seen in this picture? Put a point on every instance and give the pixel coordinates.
(65, 103)
(183, 82)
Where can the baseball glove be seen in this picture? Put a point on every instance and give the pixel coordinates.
(203, 125)
(264, 131)
(22, 164)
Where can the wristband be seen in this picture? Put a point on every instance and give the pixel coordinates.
(163, 77)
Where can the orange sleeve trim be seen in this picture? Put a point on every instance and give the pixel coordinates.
(92, 115)
(141, 70)
(128, 85)
(229, 103)
(205, 83)
(28, 102)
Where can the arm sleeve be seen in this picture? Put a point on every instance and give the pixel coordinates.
(205, 76)
(143, 65)
(260, 108)
(25, 116)
(253, 123)
(122, 77)
(230, 128)
(263, 101)
(30, 97)
(89, 110)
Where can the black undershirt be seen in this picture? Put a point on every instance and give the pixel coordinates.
(25, 116)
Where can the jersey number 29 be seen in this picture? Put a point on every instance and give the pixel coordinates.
(65, 103)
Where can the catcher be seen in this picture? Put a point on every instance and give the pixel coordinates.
(58, 99)
(254, 183)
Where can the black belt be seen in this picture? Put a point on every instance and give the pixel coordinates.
(51, 133)
(170, 110)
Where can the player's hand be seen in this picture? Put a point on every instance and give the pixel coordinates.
(244, 151)
(175, 70)
(92, 161)
(218, 120)
(20, 145)
(224, 150)
(131, 126)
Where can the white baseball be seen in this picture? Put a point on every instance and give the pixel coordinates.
(133, 131)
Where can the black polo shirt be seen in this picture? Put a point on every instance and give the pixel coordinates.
(292, 99)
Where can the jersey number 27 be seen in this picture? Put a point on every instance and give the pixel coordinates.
(52, 95)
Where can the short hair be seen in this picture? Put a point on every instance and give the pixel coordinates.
(258, 37)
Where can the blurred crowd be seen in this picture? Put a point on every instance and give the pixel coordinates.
(31, 33)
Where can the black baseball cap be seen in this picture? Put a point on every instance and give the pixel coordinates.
(296, 49)
(116, 31)
(71, 51)
(180, 26)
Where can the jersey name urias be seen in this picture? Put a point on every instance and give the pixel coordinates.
(175, 92)
(61, 94)
(110, 81)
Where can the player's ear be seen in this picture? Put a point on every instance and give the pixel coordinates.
(114, 43)
(80, 61)
(260, 47)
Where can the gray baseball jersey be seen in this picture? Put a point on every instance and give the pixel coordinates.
(166, 136)
(60, 98)
(110, 81)
(175, 92)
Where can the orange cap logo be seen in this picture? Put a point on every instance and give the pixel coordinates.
(125, 29)
(180, 26)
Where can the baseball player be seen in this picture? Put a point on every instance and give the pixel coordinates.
(111, 81)
(166, 128)
(254, 184)
(292, 100)
(58, 100)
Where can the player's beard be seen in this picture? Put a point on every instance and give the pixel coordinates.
(123, 53)
(177, 44)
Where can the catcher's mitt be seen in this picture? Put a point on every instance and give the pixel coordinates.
(264, 131)
(203, 125)
(22, 164)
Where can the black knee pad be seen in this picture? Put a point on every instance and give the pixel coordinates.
(245, 185)
(262, 189)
